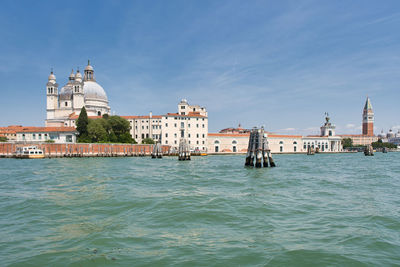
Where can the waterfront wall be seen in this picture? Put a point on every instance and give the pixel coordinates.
(83, 149)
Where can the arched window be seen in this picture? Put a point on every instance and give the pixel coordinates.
(216, 142)
(281, 142)
(294, 142)
(98, 113)
(234, 142)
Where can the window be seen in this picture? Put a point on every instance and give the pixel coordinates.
(175, 142)
(203, 135)
(281, 142)
(197, 135)
(216, 142)
(175, 125)
(66, 104)
(33, 136)
(294, 143)
(166, 141)
(68, 138)
(98, 113)
(281, 148)
(203, 125)
(197, 142)
(330, 133)
(182, 113)
(175, 135)
(234, 149)
(182, 107)
(294, 148)
(142, 136)
(147, 135)
(23, 136)
(166, 125)
(197, 125)
(166, 135)
(189, 125)
(216, 149)
(182, 125)
(40, 136)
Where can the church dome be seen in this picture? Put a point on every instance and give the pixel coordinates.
(88, 67)
(78, 76)
(52, 77)
(93, 90)
(66, 93)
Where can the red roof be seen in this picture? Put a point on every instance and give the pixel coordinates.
(142, 117)
(45, 129)
(230, 134)
(190, 114)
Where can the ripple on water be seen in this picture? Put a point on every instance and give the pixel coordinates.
(320, 210)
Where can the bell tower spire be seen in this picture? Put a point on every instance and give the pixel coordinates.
(89, 73)
(368, 119)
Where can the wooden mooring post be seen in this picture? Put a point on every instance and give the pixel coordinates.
(157, 151)
(184, 150)
(258, 149)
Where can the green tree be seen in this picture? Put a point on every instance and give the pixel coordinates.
(82, 125)
(96, 131)
(3, 139)
(347, 142)
(148, 141)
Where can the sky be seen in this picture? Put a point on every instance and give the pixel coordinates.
(277, 64)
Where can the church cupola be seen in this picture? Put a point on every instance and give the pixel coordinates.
(78, 76)
(52, 77)
(89, 73)
(72, 75)
(328, 129)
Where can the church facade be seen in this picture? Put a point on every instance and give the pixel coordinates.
(67, 101)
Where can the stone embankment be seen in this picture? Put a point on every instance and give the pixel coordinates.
(83, 150)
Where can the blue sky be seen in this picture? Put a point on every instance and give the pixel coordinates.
(281, 64)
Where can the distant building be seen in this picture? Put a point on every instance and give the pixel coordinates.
(367, 137)
(43, 134)
(235, 140)
(77, 93)
(368, 119)
(191, 122)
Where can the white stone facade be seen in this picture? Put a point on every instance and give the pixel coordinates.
(43, 134)
(77, 93)
(191, 123)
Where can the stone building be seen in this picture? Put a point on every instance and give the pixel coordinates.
(236, 141)
(77, 93)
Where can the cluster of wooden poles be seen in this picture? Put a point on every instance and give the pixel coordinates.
(258, 149)
(183, 150)
(157, 151)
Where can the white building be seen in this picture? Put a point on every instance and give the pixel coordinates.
(77, 93)
(191, 122)
(237, 140)
(43, 134)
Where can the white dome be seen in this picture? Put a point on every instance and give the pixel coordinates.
(52, 76)
(78, 75)
(93, 90)
(88, 67)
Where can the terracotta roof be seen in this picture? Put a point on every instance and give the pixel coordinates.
(284, 136)
(142, 117)
(356, 135)
(229, 134)
(190, 114)
(46, 129)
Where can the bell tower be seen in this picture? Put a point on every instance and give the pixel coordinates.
(368, 119)
(52, 96)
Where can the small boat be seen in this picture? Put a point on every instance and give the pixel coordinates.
(203, 154)
(29, 152)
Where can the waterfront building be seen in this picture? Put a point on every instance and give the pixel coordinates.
(43, 134)
(236, 141)
(190, 122)
(79, 92)
(10, 132)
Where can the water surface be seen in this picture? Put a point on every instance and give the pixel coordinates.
(321, 210)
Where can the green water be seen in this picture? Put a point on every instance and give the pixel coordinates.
(321, 210)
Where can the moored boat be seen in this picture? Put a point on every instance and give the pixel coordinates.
(29, 152)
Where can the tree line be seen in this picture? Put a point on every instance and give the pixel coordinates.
(108, 129)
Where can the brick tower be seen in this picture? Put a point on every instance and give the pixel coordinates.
(368, 119)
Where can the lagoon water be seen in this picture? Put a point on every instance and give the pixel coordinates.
(321, 210)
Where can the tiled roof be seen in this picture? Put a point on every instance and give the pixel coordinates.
(46, 129)
(229, 134)
(190, 114)
(142, 117)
